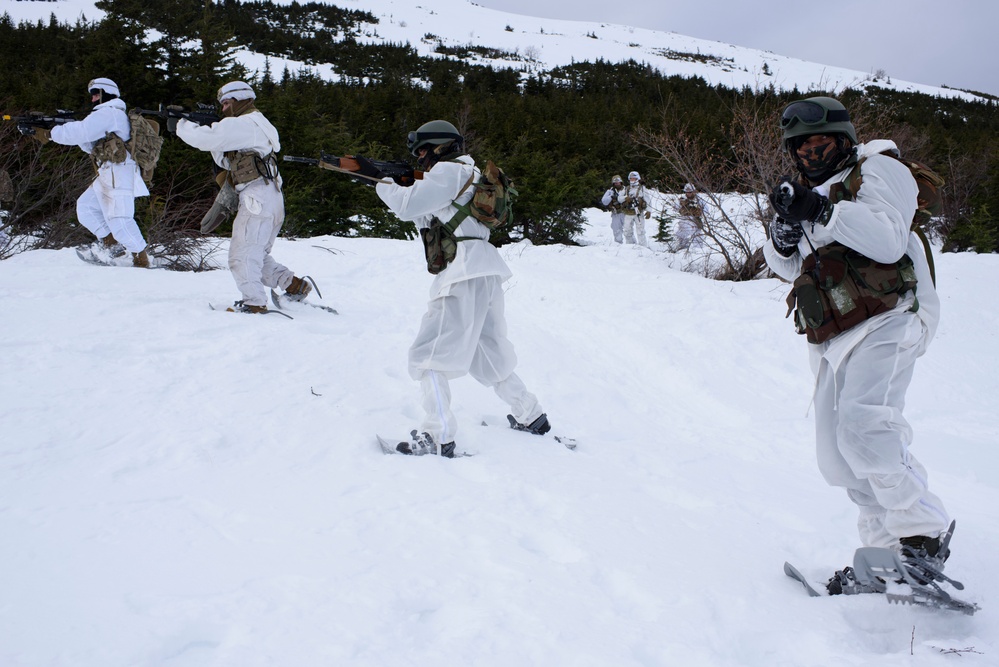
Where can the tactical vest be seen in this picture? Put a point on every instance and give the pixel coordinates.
(690, 208)
(839, 288)
(246, 166)
(634, 206)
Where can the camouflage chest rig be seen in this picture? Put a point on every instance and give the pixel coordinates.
(839, 287)
(246, 166)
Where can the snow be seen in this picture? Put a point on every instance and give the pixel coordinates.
(540, 44)
(186, 487)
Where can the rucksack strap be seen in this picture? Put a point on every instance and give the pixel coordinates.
(928, 251)
(848, 188)
(463, 212)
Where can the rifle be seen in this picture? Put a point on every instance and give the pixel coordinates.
(205, 114)
(26, 124)
(400, 172)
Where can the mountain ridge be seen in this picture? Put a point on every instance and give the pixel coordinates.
(537, 45)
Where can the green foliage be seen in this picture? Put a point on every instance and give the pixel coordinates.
(978, 233)
(558, 134)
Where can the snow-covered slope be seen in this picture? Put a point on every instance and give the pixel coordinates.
(186, 487)
(537, 44)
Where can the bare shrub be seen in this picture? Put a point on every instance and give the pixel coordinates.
(729, 232)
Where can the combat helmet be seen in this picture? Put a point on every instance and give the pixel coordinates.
(441, 138)
(433, 134)
(816, 115)
(106, 88)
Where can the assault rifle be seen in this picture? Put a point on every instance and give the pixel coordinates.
(400, 172)
(205, 114)
(26, 124)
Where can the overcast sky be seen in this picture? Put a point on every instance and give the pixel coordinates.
(934, 42)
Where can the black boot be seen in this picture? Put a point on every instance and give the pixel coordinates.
(539, 426)
(923, 557)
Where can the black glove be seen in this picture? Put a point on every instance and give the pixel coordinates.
(794, 202)
(785, 235)
(406, 178)
(365, 168)
(172, 118)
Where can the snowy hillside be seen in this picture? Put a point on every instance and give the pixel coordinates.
(538, 44)
(185, 487)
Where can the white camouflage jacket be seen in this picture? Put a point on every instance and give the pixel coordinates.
(431, 197)
(250, 131)
(111, 116)
(877, 225)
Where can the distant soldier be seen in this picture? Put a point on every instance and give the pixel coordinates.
(636, 209)
(690, 226)
(107, 207)
(612, 201)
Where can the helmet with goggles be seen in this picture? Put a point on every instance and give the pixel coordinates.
(816, 115)
(433, 134)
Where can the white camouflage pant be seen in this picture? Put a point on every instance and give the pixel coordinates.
(634, 227)
(110, 211)
(862, 439)
(256, 226)
(464, 332)
(617, 227)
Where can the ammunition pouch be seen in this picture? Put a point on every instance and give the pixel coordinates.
(246, 166)
(839, 288)
(109, 149)
(440, 245)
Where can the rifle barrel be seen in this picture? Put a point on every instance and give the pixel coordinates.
(301, 160)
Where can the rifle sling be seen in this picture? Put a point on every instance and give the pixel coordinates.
(463, 212)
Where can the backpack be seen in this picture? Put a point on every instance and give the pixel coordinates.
(929, 202)
(145, 144)
(491, 205)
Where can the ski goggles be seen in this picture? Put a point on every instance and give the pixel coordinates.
(414, 138)
(810, 113)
